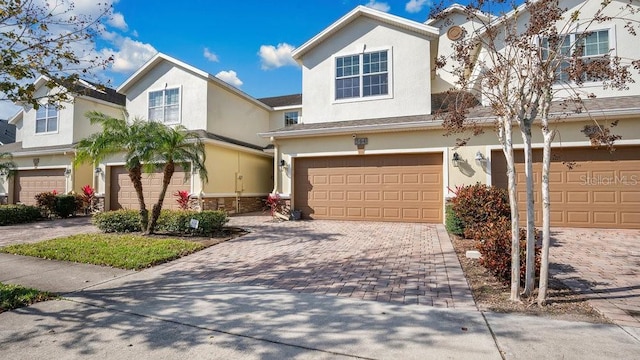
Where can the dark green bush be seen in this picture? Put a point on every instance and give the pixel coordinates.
(46, 201)
(453, 223)
(493, 240)
(18, 214)
(65, 205)
(178, 222)
(476, 205)
(117, 221)
(170, 221)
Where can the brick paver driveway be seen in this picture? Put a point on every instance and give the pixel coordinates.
(602, 264)
(390, 262)
(44, 230)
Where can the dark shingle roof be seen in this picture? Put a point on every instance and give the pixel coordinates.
(285, 100)
(207, 135)
(591, 106)
(101, 92)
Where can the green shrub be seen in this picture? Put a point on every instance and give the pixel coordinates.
(493, 240)
(476, 205)
(117, 221)
(46, 201)
(170, 221)
(65, 205)
(453, 223)
(18, 214)
(178, 222)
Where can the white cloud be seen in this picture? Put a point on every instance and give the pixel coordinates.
(273, 57)
(131, 54)
(381, 6)
(117, 21)
(414, 6)
(210, 56)
(230, 77)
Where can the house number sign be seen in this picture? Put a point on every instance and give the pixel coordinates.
(360, 141)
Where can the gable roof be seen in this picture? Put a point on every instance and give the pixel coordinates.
(363, 11)
(284, 100)
(460, 9)
(160, 58)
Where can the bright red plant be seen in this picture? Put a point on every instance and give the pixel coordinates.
(182, 199)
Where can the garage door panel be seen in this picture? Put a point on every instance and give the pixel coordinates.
(601, 189)
(124, 196)
(29, 183)
(376, 187)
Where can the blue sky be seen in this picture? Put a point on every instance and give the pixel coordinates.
(246, 43)
(251, 39)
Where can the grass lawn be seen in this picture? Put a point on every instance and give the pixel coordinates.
(120, 251)
(15, 296)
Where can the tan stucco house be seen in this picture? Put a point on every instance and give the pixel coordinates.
(369, 147)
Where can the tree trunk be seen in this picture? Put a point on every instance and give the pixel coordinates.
(135, 174)
(529, 283)
(546, 213)
(507, 148)
(169, 169)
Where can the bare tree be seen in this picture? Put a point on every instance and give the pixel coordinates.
(47, 39)
(520, 59)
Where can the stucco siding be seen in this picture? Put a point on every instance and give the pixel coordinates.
(233, 116)
(82, 127)
(193, 94)
(409, 74)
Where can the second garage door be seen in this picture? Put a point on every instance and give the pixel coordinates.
(28, 183)
(402, 188)
(123, 195)
(588, 187)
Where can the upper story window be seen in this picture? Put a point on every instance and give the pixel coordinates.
(589, 47)
(46, 119)
(290, 118)
(164, 106)
(362, 75)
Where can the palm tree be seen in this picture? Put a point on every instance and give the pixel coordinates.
(137, 140)
(177, 147)
(7, 166)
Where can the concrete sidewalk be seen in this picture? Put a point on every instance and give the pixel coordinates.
(167, 313)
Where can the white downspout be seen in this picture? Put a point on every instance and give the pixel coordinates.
(276, 162)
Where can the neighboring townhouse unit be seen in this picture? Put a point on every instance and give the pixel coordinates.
(45, 137)
(370, 147)
(170, 91)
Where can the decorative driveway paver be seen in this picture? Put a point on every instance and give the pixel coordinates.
(604, 265)
(389, 262)
(45, 230)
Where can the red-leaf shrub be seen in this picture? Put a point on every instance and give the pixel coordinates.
(493, 240)
(88, 196)
(274, 203)
(476, 205)
(46, 201)
(182, 199)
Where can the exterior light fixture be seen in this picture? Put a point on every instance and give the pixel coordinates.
(67, 172)
(456, 159)
(480, 159)
(283, 164)
(36, 161)
(98, 170)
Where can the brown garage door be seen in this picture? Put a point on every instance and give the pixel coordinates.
(28, 183)
(405, 187)
(589, 187)
(123, 195)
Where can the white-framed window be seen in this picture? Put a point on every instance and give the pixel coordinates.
(591, 46)
(362, 75)
(290, 118)
(164, 106)
(46, 119)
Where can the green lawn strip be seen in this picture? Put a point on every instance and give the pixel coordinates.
(124, 251)
(15, 296)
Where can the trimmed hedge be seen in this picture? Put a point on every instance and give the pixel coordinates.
(119, 221)
(452, 222)
(170, 221)
(476, 205)
(18, 214)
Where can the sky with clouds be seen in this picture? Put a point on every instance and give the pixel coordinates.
(246, 43)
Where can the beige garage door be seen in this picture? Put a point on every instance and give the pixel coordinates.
(28, 183)
(405, 187)
(589, 187)
(123, 195)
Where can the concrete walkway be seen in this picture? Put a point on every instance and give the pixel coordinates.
(44, 230)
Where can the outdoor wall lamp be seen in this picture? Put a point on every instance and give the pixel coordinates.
(283, 164)
(98, 170)
(480, 159)
(456, 159)
(67, 172)
(36, 161)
